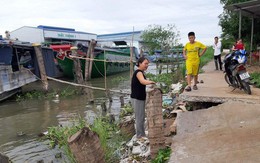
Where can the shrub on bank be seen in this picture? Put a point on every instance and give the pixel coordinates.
(36, 94)
(163, 155)
(255, 78)
(207, 57)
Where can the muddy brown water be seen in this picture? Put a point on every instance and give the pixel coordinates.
(21, 122)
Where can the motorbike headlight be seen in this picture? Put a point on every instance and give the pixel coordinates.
(241, 59)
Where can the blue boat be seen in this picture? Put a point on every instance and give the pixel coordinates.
(175, 55)
(18, 66)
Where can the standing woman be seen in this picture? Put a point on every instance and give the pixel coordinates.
(138, 95)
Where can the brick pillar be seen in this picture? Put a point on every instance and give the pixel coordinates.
(155, 120)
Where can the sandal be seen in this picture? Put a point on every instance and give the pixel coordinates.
(195, 87)
(188, 89)
(142, 139)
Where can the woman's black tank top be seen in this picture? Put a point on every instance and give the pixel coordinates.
(137, 89)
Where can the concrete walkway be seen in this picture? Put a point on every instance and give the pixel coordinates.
(215, 89)
(229, 132)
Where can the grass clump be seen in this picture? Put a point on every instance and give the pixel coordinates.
(59, 135)
(255, 79)
(37, 94)
(126, 110)
(162, 156)
(109, 136)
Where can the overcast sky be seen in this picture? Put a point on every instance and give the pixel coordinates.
(115, 16)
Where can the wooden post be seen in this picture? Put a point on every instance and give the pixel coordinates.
(131, 62)
(240, 24)
(141, 52)
(77, 71)
(37, 48)
(251, 42)
(86, 147)
(131, 56)
(258, 54)
(155, 121)
(177, 59)
(87, 63)
(78, 77)
(92, 49)
(105, 69)
(4, 158)
(17, 58)
(122, 101)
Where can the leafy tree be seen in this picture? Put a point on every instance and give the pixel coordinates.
(156, 37)
(229, 21)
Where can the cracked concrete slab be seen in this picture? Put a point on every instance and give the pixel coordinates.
(229, 132)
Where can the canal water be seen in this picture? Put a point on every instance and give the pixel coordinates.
(21, 122)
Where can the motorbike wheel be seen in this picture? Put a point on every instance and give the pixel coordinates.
(246, 87)
(227, 80)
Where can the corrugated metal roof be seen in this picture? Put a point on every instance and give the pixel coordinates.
(62, 29)
(119, 34)
(55, 28)
(249, 9)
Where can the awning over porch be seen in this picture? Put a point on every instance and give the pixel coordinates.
(249, 9)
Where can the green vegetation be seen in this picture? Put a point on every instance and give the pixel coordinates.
(162, 156)
(30, 95)
(207, 57)
(59, 136)
(109, 137)
(166, 79)
(126, 110)
(69, 91)
(108, 134)
(157, 37)
(256, 78)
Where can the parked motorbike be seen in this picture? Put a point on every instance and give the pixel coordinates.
(235, 71)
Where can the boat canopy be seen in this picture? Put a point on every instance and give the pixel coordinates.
(63, 47)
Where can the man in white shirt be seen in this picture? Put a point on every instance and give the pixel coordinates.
(7, 35)
(217, 53)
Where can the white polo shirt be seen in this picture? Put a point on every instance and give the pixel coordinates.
(217, 48)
